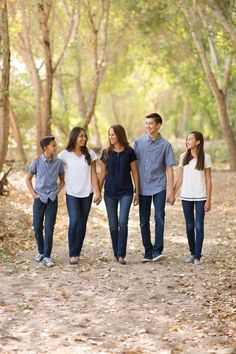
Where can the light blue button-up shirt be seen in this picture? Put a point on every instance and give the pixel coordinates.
(47, 173)
(153, 157)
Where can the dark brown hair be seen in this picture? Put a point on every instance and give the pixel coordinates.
(156, 117)
(200, 152)
(121, 136)
(44, 142)
(74, 134)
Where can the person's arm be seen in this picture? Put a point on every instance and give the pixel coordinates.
(97, 198)
(61, 183)
(207, 206)
(134, 172)
(30, 185)
(102, 175)
(170, 178)
(177, 185)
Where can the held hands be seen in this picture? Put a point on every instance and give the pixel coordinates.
(171, 199)
(136, 199)
(97, 199)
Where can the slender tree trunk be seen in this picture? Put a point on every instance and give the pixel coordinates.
(113, 108)
(44, 7)
(17, 135)
(181, 123)
(220, 95)
(4, 82)
(97, 137)
(24, 48)
(220, 100)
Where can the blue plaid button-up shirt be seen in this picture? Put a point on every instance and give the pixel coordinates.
(47, 173)
(153, 157)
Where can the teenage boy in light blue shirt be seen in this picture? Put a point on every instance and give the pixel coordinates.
(47, 169)
(155, 164)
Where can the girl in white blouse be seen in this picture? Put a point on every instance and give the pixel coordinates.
(80, 183)
(196, 185)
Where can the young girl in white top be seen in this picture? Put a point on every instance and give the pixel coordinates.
(80, 182)
(195, 181)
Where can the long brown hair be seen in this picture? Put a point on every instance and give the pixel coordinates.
(121, 136)
(74, 134)
(200, 152)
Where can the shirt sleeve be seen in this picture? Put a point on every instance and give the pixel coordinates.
(181, 158)
(33, 167)
(102, 158)
(208, 163)
(93, 155)
(62, 156)
(62, 170)
(132, 155)
(169, 155)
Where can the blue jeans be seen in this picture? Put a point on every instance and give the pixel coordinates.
(49, 212)
(194, 225)
(159, 201)
(118, 224)
(78, 210)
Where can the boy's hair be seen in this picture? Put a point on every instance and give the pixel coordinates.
(156, 117)
(44, 142)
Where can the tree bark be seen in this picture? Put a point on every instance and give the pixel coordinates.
(17, 135)
(24, 48)
(226, 22)
(4, 82)
(219, 95)
(44, 7)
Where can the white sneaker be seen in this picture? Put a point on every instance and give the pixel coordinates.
(197, 262)
(189, 259)
(158, 258)
(48, 262)
(146, 260)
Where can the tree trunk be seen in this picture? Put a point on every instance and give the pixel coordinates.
(220, 95)
(24, 48)
(180, 131)
(44, 7)
(97, 137)
(17, 135)
(220, 100)
(4, 82)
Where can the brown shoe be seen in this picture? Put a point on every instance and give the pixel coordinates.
(73, 260)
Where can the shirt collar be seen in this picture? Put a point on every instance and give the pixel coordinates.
(45, 160)
(151, 140)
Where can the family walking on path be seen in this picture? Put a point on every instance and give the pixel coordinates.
(138, 174)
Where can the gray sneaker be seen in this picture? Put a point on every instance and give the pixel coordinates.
(197, 262)
(189, 259)
(39, 257)
(158, 258)
(48, 262)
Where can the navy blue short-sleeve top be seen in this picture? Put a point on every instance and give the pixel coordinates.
(118, 180)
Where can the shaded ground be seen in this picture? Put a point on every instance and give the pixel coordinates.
(103, 307)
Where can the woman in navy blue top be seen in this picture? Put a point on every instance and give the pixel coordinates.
(118, 160)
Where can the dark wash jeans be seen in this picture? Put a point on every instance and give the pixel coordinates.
(78, 210)
(159, 201)
(194, 226)
(118, 224)
(47, 211)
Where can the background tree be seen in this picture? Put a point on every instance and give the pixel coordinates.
(4, 82)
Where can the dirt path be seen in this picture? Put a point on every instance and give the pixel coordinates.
(103, 307)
